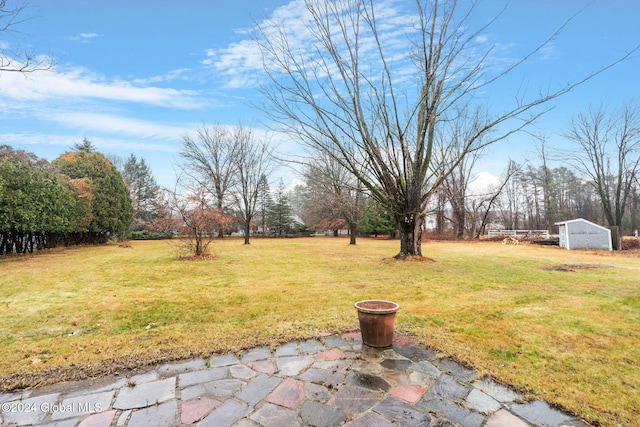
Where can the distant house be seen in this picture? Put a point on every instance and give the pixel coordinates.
(582, 234)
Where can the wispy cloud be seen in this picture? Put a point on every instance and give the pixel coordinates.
(178, 74)
(118, 125)
(67, 141)
(242, 62)
(83, 37)
(77, 83)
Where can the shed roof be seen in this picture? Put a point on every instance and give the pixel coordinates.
(583, 221)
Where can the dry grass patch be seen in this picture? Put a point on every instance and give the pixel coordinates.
(573, 267)
(571, 339)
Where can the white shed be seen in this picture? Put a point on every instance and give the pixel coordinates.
(582, 234)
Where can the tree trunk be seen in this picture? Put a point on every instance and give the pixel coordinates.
(247, 230)
(352, 234)
(410, 236)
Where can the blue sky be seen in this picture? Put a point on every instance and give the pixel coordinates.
(135, 76)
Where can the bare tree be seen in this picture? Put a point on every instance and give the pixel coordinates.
(493, 198)
(16, 59)
(609, 155)
(546, 185)
(451, 148)
(193, 216)
(335, 194)
(345, 90)
(254, 162)
(210, 160)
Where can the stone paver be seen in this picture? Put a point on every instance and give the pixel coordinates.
(197, 409)
(319, 414)
(409, 393)
(497, 391)
(260, 353)
(504, 418)
(226, 414)
(223, 360)
(540, 413)
(293, 365)
(275, 416)
(355, 400)
(451, 410)
(146, 394)
(327, 381)
(170, 369)
(102, 419)
(29, 411)
(402, 412)
(289, 393)
(83, 405)
(163, 415)
(204, 376)
(448, 387)
(258, 389)
(482, 402)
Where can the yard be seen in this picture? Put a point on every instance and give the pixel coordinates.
(559, 325)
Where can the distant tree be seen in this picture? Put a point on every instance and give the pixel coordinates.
(264, 201)
(491, 203)
(609, 155)
(85, 146)
(550, 214)
(143, 190)
(16, 59)
(95, 176)
(335, 196)
(210, 161)
(376, 220)
(279, 212)
(452, 150)
(253, 161)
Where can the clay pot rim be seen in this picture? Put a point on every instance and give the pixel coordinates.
(393, 307)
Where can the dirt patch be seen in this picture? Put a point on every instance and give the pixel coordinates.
(574, 267)
(413, 258)
(201, 257)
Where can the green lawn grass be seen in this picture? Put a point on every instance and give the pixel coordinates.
(569, 337)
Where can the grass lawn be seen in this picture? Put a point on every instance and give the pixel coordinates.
(512, 312)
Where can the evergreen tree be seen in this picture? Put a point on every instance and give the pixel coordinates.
(111, 210)
(86, 146)
(143, 190)
(264, 201)
(35, 208)
(376, 220)
(279, 212)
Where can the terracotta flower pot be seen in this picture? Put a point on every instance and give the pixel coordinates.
(377, 321)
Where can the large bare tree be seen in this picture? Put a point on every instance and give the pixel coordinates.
(371, 88)
(609, 155)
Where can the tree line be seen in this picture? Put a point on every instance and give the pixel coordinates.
(80, 197)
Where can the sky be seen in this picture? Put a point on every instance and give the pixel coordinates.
(136, 76)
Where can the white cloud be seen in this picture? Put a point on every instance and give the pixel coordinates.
(78, 83)
(113, 124)
(67, 141)
(83, 37)
(242, 62)
(483, 183)
(180, 73)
